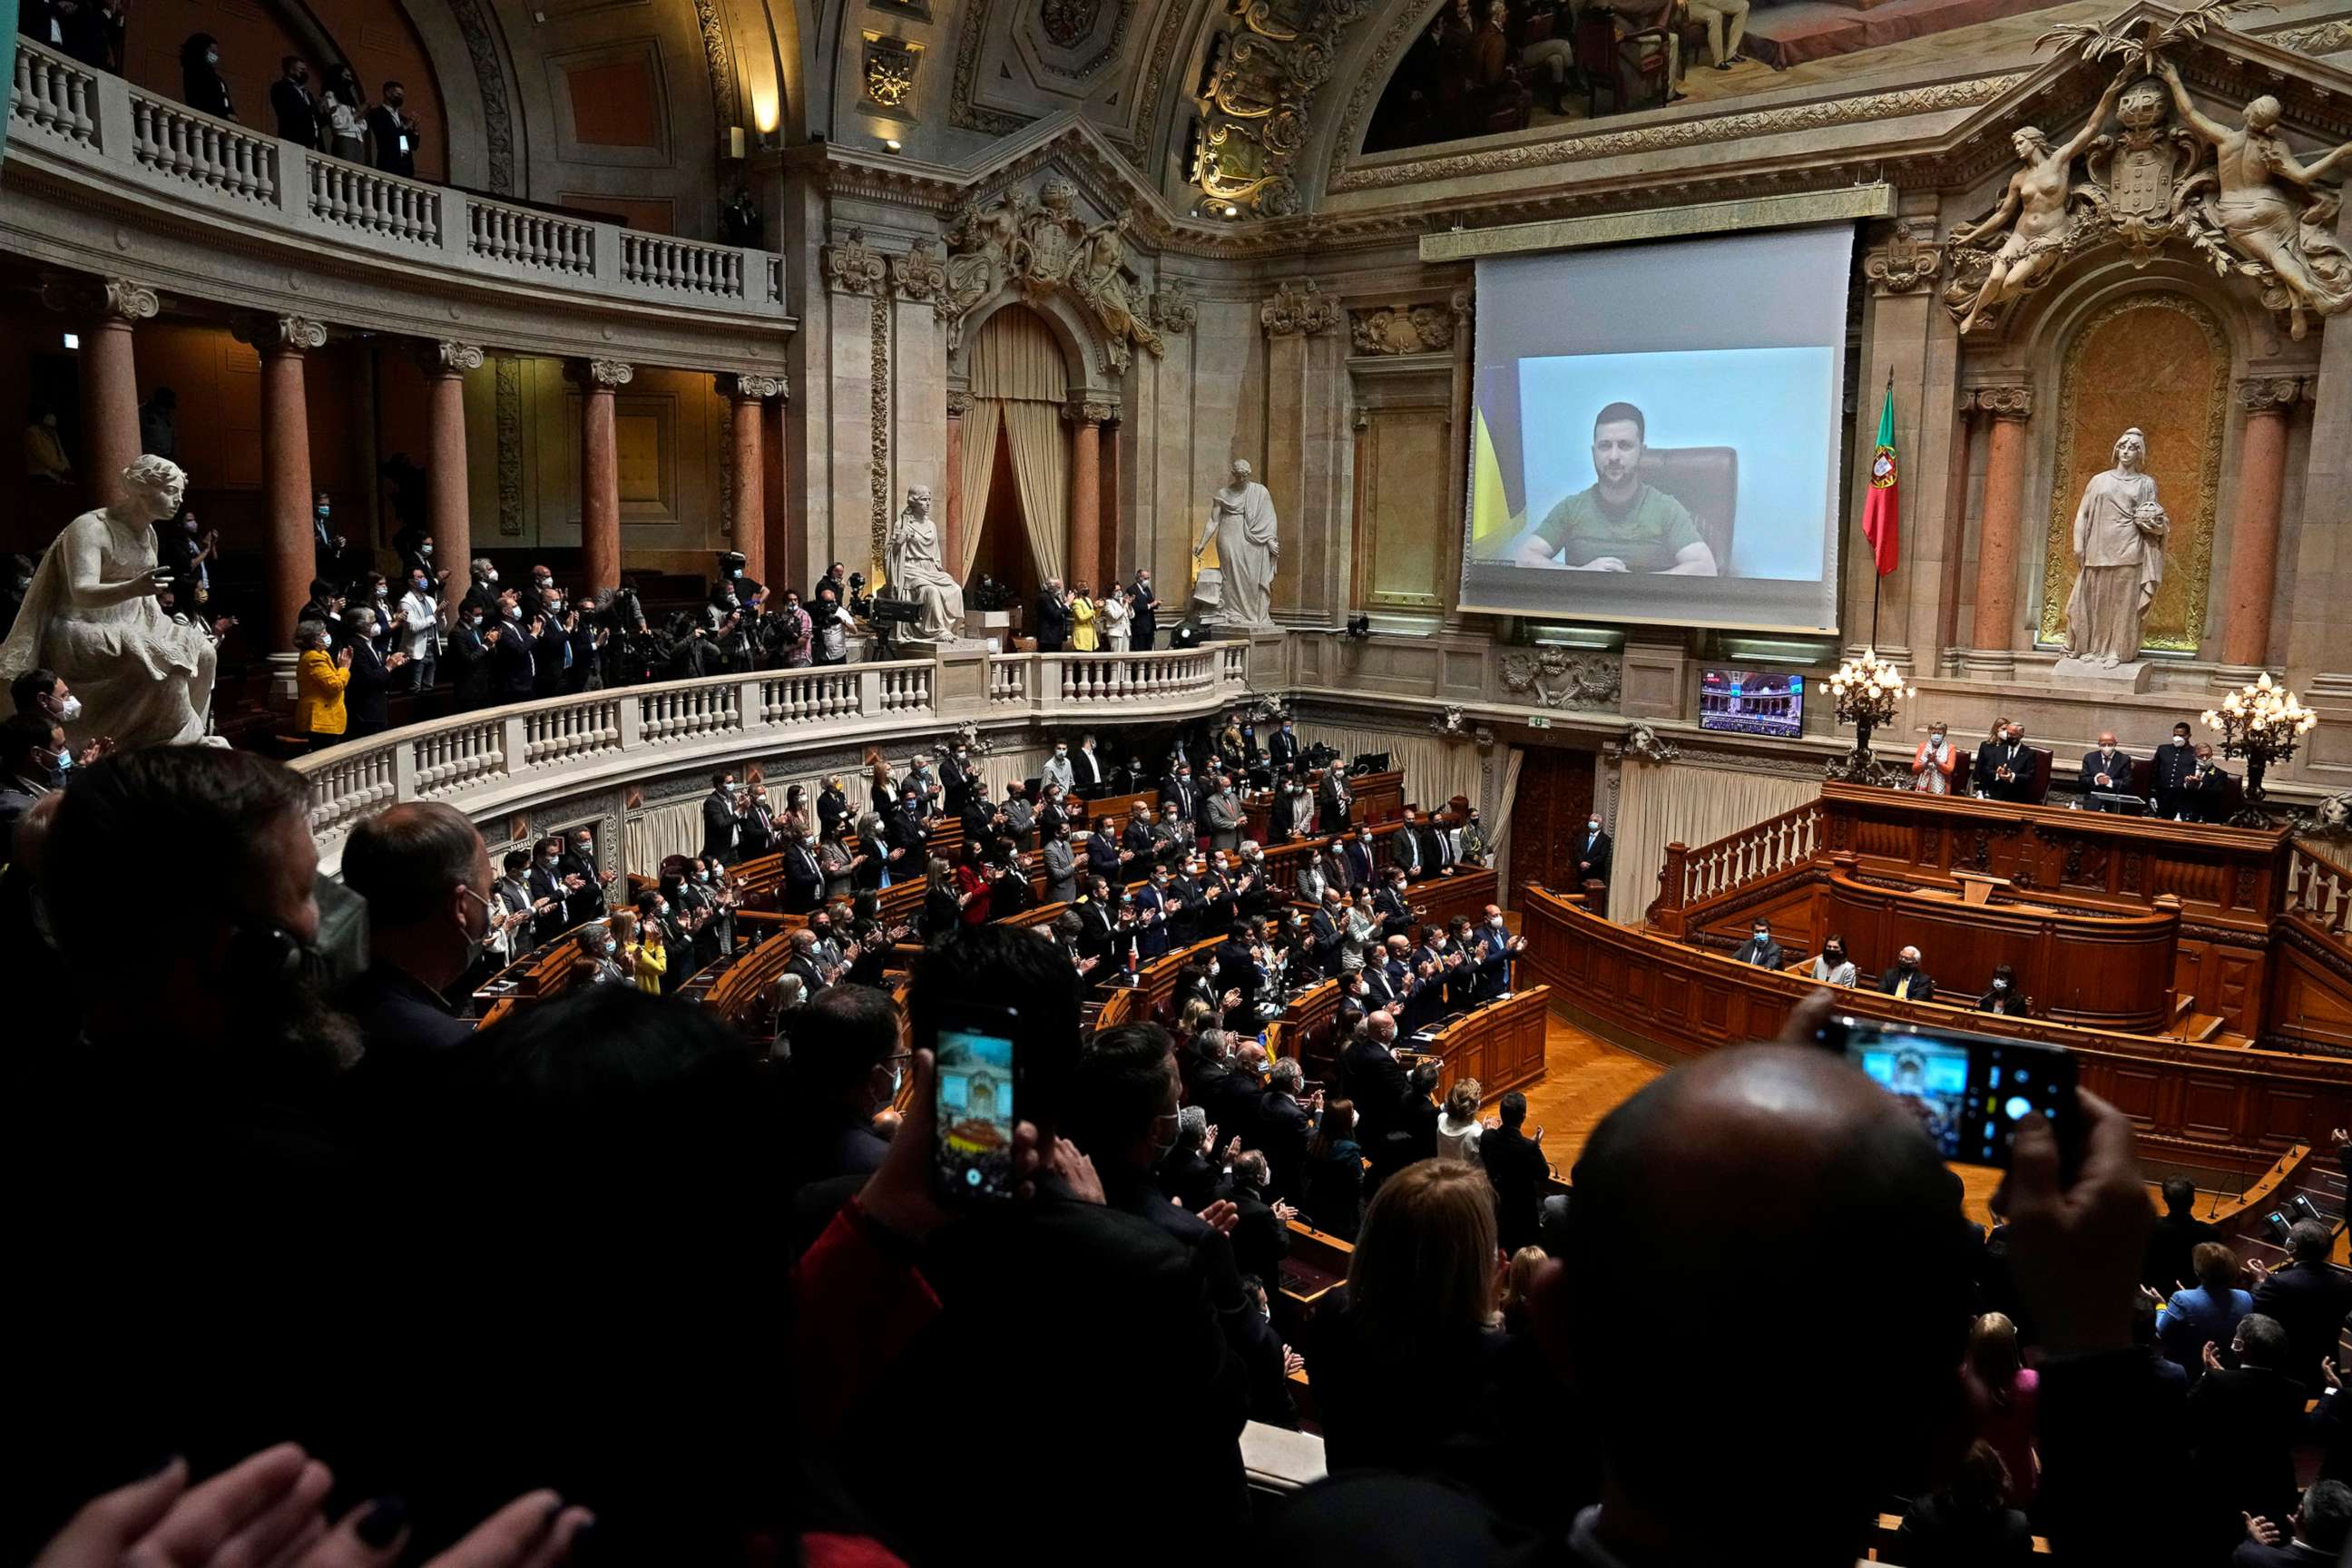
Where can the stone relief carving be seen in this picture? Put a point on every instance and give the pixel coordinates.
(2320, 39)
(718, 60)
(853, 267)
(1909, 261)
(1172, 310)
(124, 298)
(1402, 329)
(498, 115)
(1067, 21)
(889, 71)
(1300, 308)
(1257, 88)
(972, 31)
(878, 414)
(1045, 248)
(2235, 194)
(1558, 678)
(508, 407)
(2259, 393)
(1643, 744)
(921, 275)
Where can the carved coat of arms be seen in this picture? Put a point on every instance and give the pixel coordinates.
(1068, 22)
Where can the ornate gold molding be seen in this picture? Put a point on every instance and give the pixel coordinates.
(1259, 79)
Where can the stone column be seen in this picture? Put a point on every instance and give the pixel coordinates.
(447, 509)
(1109, 552)
(952, 529)
(1084, 559)
(282, 341)
(748, 515)
(105, 311)
(1956, 543)
(2268, 402)
(1995, 632)
(1294, 315)
(600, 473)
(776, 519)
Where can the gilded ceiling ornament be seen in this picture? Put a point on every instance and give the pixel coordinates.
(1257, 87)
(890, 66)
(1067, 21)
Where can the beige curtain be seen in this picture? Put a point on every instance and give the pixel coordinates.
(1435, 771)
(1499, 821)
(1660, 804)
(981, 424)
(660, 831)
(1041, 462)
(1015, 354)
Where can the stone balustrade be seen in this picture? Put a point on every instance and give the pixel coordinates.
(95, 125)
(498, 758)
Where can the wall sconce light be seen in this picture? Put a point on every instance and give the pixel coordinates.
(892, 144)
(735, 141)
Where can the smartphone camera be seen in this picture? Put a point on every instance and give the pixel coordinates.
(975, 1105)
(1969, 1091)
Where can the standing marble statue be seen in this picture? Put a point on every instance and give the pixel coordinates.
(91, 615)
(915, 572)
(1241, 521)
(2034, 208)
(2119, 539)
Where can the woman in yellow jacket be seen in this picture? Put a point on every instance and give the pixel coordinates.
(318, 682)
(1083, 638)
(647, 958)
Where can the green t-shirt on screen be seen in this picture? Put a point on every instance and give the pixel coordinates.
(1646, 535)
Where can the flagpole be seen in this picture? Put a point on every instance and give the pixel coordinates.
(1877, 578)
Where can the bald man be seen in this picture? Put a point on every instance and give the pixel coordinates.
(1781, 1179)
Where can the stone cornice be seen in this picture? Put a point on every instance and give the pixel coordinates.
(2271, 394)
(2011, 402)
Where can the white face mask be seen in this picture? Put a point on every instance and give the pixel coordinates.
(1592, 827)
(1936, 738)
(70, 709)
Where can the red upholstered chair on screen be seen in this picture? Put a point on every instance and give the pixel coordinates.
(1620, 54)
(1706, 480)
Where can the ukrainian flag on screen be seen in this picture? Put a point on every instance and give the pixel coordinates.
(1492, 521)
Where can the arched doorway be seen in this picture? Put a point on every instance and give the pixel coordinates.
(1015, 486)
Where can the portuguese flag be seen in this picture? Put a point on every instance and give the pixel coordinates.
(1881, 513)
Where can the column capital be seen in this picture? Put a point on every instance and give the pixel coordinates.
(855, 267)
(754, 388)
(2271, 393)
(447, 357)
(1089, 411)
(2013, 401)
(118, 298)
(601, 375)
(281, 334)
(959, 405)
(1299, 309)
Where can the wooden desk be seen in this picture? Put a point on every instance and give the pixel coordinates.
(1377, 798)
(1500, 1043)
(1316, 1265)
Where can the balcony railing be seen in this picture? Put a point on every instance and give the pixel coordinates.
(103, 127)
(494, 758)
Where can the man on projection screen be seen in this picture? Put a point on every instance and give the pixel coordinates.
(1619, 524)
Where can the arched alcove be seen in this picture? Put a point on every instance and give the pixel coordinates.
(1015, 469)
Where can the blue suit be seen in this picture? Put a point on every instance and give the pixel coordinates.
(1151, 939)
(2194, 1316)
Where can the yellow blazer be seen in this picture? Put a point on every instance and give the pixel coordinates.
(652, 964)
(1082, 639)
(319, 695)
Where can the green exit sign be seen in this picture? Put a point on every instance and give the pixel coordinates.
(1537, 721)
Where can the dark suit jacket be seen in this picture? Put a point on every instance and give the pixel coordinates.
(1102, 859)
(1598, 853)
(400, 1016)
(1515, 1165)
(1284, 748)
(1086, 769)
(2310, 1303)
(719, 826)
(2118, 772)
(555, 919)
(296, 112)
(1994, 755)
(2165, 1265)
(1922, 986)
(2244, 1425)
(1052, 623)
(1768, 955)
(588, 904)
(2173, 764)
(804, 880)
(384, 128)
(1283, 1127)
(1260, 1241)
(1358, 860)
(1370, 1076)
(363, 694)
(1147, 1328)
(1409, 850)
(511, 663)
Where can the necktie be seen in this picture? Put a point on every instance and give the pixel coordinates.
(1903, 989)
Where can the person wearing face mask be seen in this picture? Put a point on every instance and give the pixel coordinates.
(417, 629)
(368, 686)
(1759, 949)
(2013, 767)
(2107, 771)
(2175, 760)
(468, 655)
(1933, 762)
(587, 901)
(31, 745)
(722, 818)
(482, 585)
(202, 86)
(804, 876)
(657, 920)
(1333, 799)
(1356, 857)
(2001, 995)
(1291, 816)
(1592, 853)
(1285, 748)
(1905, 980)
(394, 131)
(327, 546)
(1495, 949)
(550, 893)
(514, 651)
(425, 875)
(1833, 967)
(1057, 770)
(847, 1067)
(600, 948)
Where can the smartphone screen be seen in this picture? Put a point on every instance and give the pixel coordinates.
(1969, 1091)
(975, 1113)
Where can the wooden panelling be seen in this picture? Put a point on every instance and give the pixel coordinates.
(2190, 1101)
(1548, 816)
(1501, 1044)
(2311, 990)
(1407, 464)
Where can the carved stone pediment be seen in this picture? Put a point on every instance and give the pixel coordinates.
(1043, 246)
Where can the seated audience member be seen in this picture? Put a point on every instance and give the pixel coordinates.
(1967, 1522)
(1334, 1200)
(1833, 967)
(2319, 1532)
(1759, 949)
(1515, 1165)
(2004, 1395)
(1905, 980)
(426, 877)
(1775, 1152)
(197, 1087)
(2169, 1265)
(848, 1063)
(2244, 1421)
(1109, 1320)
(2001, 994)
(2309, 1298)
(1395, 1356)
(1458, 1128)
(2206, 1312)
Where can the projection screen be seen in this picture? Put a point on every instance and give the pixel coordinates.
(1657, 432)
